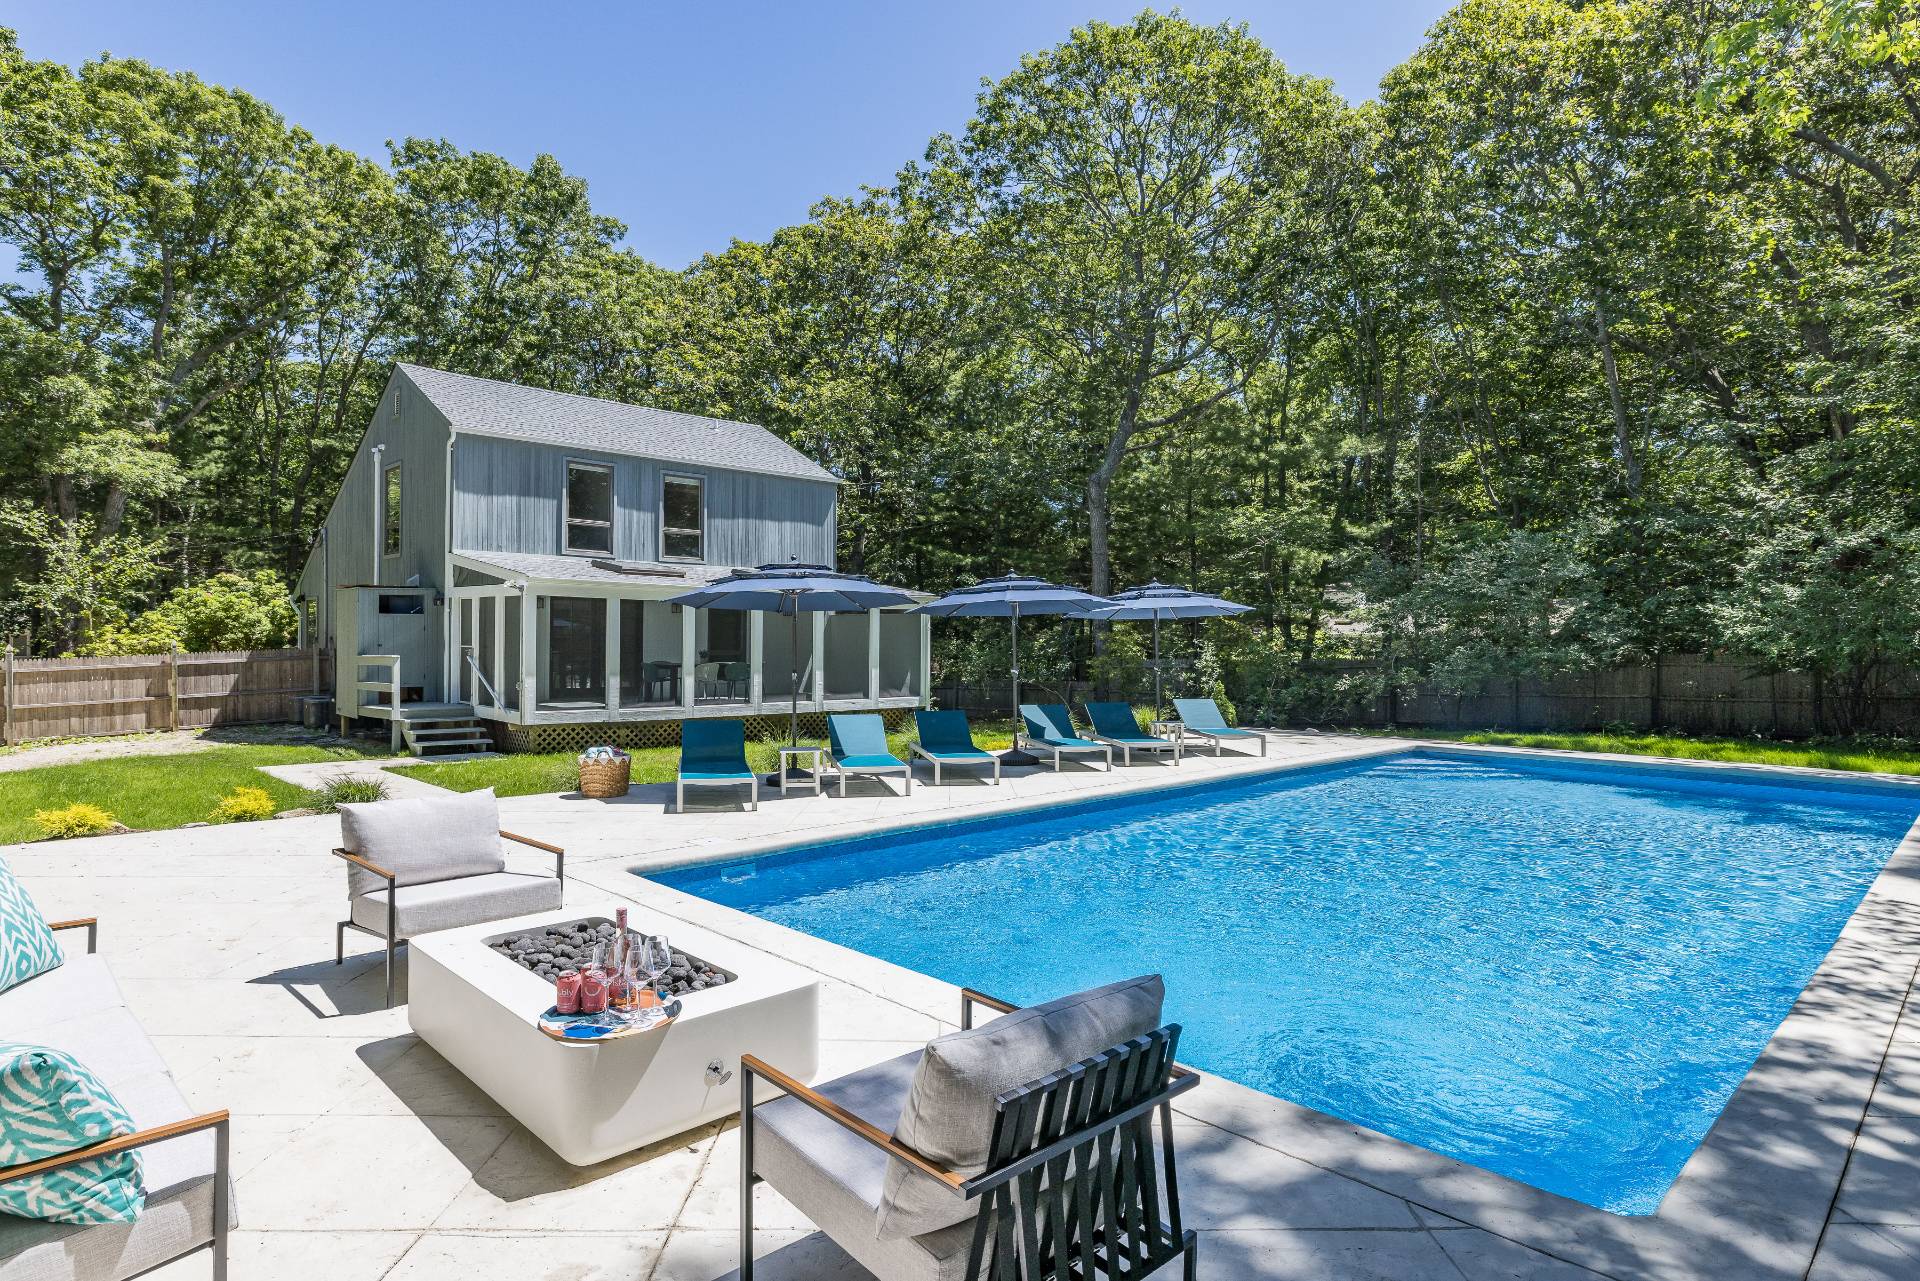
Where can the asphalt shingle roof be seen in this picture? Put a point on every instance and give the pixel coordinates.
(486, 407)
(584, 569)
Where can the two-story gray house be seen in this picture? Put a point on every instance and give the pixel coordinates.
(497, 566)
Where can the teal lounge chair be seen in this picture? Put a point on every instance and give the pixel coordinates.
(1114, 725)
(1200, 718)
(1050, 729)
(945, 739)
(713, 753)
(858, 744)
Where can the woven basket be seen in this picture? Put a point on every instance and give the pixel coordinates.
(601, 779)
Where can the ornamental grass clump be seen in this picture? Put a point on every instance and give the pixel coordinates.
(78, 819)
(243, 805)
(342, 790)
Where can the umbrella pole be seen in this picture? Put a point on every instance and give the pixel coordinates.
(778, 779)
(1017, 756)
(1158, 702)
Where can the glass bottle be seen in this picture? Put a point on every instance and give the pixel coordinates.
(621, 994)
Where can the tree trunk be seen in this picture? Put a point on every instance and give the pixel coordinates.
(1622, 432)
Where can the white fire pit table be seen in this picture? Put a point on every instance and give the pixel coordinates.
(591, 1100)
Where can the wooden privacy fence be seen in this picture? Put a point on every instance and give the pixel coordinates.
(82, 697)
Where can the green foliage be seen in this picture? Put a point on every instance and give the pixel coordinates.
(343, 790)
(1592, 338)
(226, 612)
(77, 819)
(1122, 666)
(243, 805)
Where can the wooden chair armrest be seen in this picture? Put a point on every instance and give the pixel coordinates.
(91, 924)
(357, 861)
(559, 855)
(107, 1147)
(851, 1122)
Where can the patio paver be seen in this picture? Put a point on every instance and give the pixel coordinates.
(361, 1154)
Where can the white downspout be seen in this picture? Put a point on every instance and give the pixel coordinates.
(379, 524)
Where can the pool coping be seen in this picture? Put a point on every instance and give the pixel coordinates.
(1757, 1194)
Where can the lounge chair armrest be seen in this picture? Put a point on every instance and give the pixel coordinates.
(915, 749)
(559, 855)
(90, 923)
(853, 1123)
(357, 861)
(124, 1143)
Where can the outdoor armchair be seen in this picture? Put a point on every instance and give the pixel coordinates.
(857, 742)
(1023, 1148)
(1201, 718)
(77, 1008)
(1114, 725)
(1049, 727)
(423, 864)
(947, 739)
(713, 753)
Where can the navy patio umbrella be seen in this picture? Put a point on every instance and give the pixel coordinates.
(1010, 597)
(794, 590)
(1159, 600)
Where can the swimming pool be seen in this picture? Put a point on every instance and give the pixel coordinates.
(1556, 971)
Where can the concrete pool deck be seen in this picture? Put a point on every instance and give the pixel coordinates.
(361, 1154)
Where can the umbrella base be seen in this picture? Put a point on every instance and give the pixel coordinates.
(1018, 756)
(794, 772)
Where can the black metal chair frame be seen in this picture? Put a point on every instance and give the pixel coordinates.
(219, 1122)
(1073, 1188)
(389, 938)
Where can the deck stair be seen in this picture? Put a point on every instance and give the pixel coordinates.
(442, 729)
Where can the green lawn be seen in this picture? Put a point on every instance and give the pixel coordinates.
(155, 791)
(532, 772)
(1826, 754)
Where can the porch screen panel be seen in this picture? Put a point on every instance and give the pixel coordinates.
(510, 655)
(638, 684)
(900, 656)
(575, 670)
(777, 656)
(485, 652)
(846, 657)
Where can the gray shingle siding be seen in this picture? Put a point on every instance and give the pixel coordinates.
(483, 407)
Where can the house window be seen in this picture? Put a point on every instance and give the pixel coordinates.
(589, 509)
(390, 512)
(682, 518)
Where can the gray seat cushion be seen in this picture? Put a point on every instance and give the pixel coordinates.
(837, 1180)
(448, 905)
(431, 838)
(948, 1114)
(81, 985)
(179, 1172)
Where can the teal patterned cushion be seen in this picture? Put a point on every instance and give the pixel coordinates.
(26, 944)
(50, 1105)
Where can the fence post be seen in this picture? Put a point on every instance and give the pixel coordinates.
(173, 687)
(1654, 692)
(8, 735)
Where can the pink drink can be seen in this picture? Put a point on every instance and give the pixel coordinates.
(593, 992)
(566, 992)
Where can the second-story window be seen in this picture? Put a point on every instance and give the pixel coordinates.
(589, 516)
(390, 512)
(682, 519)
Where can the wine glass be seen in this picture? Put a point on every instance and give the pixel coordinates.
(655, 959)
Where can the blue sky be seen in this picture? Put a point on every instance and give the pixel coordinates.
(692, 123)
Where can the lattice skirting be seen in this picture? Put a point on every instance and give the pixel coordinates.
(636, 734)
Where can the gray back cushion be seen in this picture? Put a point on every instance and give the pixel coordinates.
(431, 838)
(948, 1115)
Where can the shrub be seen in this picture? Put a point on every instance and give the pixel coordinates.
(242, 805)
(226, 611)
(341, 790)
(78, 819)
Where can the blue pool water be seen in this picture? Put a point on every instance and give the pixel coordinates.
(1556, 972)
